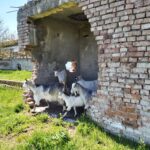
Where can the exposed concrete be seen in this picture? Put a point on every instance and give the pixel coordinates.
(11, 83)
(88, 54)
(52, 11)
(26, 64)
(56, 44)
(38, 9)
(60, 42)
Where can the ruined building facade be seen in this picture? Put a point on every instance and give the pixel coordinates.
(110, 39)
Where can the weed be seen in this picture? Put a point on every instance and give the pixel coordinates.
(42, 117)
(18, 108)
(141, 145)
(58, 122)
(70, 146)
(84, 129)
(13, 124)
(47, 141)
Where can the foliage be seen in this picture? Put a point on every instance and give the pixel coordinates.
(142, 145)
(9, 43)
(42, 117)
(58, 122)
(47, 140)
(84, 129)
(18, 108)
(3, 31)
(13, 124)
(10, 99)
(5, 34)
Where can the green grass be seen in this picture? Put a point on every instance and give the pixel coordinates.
(19, 130)
(10, 99)
(15, 75)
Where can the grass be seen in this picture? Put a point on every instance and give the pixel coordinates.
(19, 130)
(15, 75)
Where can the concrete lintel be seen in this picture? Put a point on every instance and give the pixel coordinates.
(55, 10)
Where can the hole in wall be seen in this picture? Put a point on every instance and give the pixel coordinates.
(57, 34)
(85, 36)
(77, 42)
(78, 17)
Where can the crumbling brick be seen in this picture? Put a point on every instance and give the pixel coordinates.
(122, 31)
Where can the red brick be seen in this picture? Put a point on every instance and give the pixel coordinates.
(136, 54)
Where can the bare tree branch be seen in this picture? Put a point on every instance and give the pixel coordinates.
(5, 35)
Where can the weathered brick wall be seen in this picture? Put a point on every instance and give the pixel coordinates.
(122, 32)
(24, 28)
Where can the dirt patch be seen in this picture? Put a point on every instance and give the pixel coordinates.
(72, 131)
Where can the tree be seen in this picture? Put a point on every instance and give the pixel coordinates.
(6, 39)
(5, 35)
(3, 32)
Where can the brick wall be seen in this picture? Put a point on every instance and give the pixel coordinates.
(122, 32)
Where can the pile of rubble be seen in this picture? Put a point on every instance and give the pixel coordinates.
(28, 98)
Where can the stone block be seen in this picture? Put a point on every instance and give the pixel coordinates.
(143, 65)
(144, 92)
(140, 15)
(147, 87)
(145, 26)
(108, 16)
(135, 54)
(131, 39)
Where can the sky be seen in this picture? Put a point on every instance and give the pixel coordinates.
(10, 19)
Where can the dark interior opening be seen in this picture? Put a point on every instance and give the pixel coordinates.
(63, 37)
